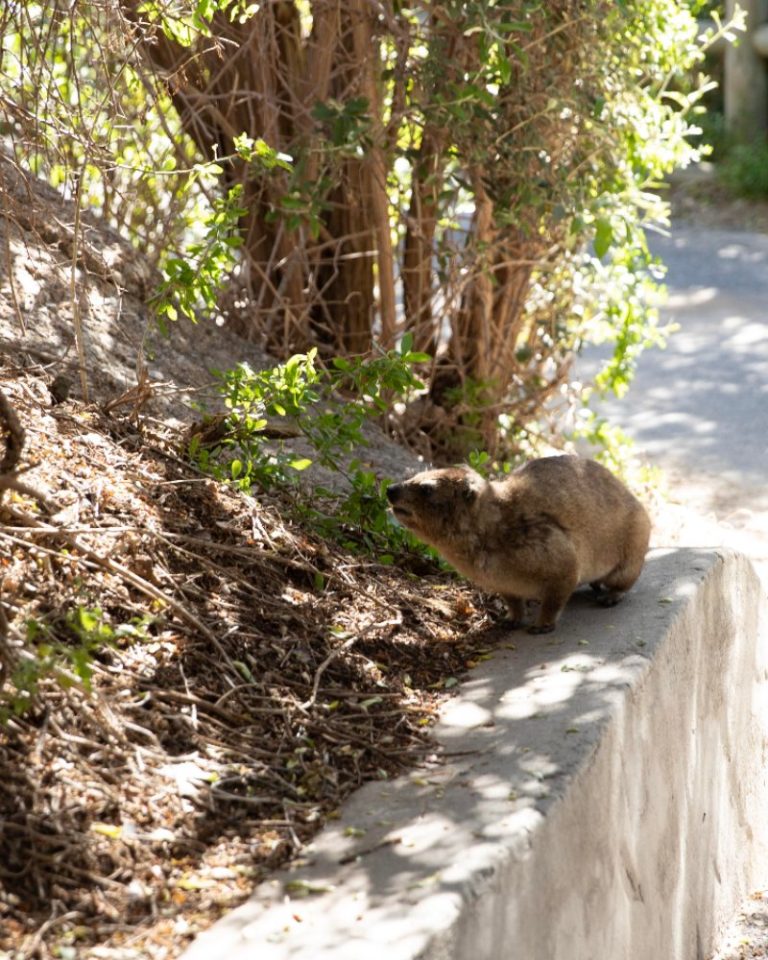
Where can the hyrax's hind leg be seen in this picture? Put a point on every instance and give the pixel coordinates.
(624, 575)
(515, 611)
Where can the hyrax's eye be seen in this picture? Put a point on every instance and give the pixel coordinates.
(427, 490)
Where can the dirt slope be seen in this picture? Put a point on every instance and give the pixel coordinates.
(247, 674)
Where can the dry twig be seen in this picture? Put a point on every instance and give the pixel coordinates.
(13, 433)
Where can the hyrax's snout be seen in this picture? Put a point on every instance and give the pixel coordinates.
(394, 492)
(398, 497)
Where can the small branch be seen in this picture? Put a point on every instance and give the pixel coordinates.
(9, 257)
(337, 652)
(76, 315)
(14, 436)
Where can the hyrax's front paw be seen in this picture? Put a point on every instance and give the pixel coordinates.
(541, 628)
(609, 598)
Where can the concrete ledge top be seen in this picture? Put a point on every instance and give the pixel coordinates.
(397, 875)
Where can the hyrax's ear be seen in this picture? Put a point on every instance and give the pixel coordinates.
(473, 485)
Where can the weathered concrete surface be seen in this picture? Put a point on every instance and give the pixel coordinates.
(597, 789)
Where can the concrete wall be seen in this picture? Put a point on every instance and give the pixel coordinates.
(601, 794)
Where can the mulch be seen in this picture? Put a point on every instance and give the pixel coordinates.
(246, 677)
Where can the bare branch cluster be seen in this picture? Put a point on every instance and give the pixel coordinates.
(422, 183)
(436, 169)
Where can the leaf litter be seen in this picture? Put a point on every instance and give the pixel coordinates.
(252, 676)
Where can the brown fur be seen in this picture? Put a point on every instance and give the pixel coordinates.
(553, 524)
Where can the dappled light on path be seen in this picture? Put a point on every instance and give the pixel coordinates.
(699, 409)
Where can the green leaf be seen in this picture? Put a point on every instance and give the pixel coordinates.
(515, 26)
(244, 670)
(603, 237)
(88, 620)
(370, 702)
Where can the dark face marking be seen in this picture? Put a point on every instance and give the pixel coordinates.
(428, 502)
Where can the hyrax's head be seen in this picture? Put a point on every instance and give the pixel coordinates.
(435, 503)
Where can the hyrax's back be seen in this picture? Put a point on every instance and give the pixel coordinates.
(608, 526)
(572, 486)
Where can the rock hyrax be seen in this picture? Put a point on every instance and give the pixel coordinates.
(553, 524)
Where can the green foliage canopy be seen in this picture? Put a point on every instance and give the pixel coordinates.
(332, 175)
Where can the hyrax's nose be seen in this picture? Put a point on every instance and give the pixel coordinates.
(394, 490)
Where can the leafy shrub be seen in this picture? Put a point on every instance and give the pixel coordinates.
(744, 170)
(477, 174)
(328, 407)
(63, 652)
